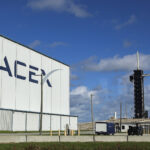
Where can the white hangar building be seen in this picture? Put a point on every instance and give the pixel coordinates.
(20, 90)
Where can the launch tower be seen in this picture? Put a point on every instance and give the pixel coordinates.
(138, 80)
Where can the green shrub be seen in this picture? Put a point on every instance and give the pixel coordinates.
(77, 146)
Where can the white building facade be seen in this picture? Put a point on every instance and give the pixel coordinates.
(20, 90)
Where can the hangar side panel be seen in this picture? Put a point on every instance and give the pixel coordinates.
(8, 81)
(73, 123)
(46, 123)
(1, 52)
(56, 88)
(26, 94)
(35, 88)
(19, 119)
(55, 122)
(47, 91)
(22, 86)
(64, 122)
(33, 122)
(6, 120)
(65, 102)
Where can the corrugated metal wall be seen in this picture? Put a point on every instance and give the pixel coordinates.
(6, 120)
(24, 94)
(24, 121)
(19, 121)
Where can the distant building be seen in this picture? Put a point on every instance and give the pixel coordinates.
(125, 123)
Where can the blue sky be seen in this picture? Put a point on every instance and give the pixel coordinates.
(98, 39)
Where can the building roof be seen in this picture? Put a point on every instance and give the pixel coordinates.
(33, 50)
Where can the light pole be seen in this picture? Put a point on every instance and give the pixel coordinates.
(41, 109)
(92, 117)
(43, 80)
(120, 115)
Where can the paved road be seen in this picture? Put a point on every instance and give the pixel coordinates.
(86, 133)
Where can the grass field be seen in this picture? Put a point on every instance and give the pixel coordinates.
(76, 146)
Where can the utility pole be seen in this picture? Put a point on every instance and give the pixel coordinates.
(41, 106)
(41, 111)
(120, 115)
(126, 111)
(42, 82)
(92, 117)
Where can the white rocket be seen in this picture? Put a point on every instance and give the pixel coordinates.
(138, 61)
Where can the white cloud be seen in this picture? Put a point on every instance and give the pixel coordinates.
(59, 6)
(78, 11)
(130, 21)
(116, 63)
(104, 103)
(80, 101)
(81, 104)
(55, 44)
(83, 91)
(34, 44)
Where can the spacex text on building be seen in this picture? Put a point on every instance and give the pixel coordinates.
(32, 71)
